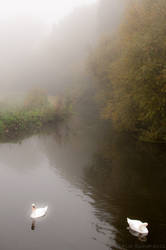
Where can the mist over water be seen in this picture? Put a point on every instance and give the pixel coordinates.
(90, 182)
(61, 152)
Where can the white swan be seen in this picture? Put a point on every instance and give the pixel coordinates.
(138, 226)
(38, 212)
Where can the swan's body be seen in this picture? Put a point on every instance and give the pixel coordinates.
(138, 226)
(38, 212)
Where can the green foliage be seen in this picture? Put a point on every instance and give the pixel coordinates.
(2, 127)
(131, 72)
(36, 113)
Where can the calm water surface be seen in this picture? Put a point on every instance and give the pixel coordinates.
(91, 184)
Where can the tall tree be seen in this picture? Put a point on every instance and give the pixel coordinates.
(131, 71)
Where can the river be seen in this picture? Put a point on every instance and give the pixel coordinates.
(91, 184)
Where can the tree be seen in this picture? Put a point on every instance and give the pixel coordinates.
(131, 71)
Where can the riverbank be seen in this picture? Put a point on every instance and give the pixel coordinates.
(36, 113)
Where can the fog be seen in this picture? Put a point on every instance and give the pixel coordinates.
(82, 110)
(49, 11)
(46, 44)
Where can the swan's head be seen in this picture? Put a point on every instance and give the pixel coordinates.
(33, 206)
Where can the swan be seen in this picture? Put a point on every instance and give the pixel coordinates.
(138, 226)
(38, 212)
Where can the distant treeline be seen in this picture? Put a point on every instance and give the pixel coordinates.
(130, 71)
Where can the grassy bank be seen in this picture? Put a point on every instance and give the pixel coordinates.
(36, 113)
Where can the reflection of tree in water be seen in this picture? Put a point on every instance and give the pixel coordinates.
(69, 152)
(48, 129)
(128, 179)
(28, 154)
(61, 133)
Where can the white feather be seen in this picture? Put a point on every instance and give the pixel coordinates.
(138, 226)
(38, 212)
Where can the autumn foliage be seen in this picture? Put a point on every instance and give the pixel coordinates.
(130, 68)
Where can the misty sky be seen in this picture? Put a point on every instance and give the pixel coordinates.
(49, 11)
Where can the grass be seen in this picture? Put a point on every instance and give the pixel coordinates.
(36, 113)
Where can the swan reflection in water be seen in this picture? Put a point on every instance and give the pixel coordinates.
(141, 237)
(33, 225)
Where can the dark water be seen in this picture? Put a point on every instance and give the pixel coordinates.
(91, 183)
